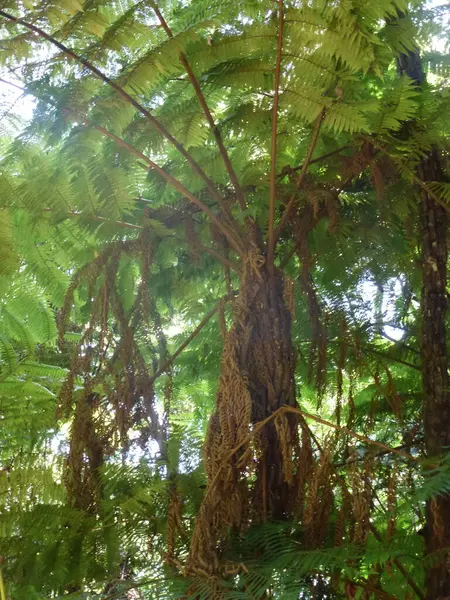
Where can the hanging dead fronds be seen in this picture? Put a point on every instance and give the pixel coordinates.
(108, 357)
(86, 455)
(192, 239)
(392, 501)
(284, 433)
(174, 515)
(353, 166)
(377, 180)
(361, 499)
(340, 370)
(339, 527)
(318, 348)
(304, 470)
(319, 501)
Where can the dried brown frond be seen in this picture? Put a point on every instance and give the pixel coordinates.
(108, 356)
(340, 370)
(392, 501)
(284, 433)
(353, 166)
(377, 180)
(86, 456)
(304, 470)
(361, 499)
(393, 396)
(319, 501)
(339, 527)
(315, 201)
(318, 347)
(192, 239)
(174, 515)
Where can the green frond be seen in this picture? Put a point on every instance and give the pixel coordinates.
(26, 315)
(127, 31)
(400, 34)
(441, 188)
(17, 330)
(8, 256)
(8, 357)
(254, 73)
(42, 371)
(157, 64)
(340, 117)
(399, 104)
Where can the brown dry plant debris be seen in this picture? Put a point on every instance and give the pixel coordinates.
(108, 360)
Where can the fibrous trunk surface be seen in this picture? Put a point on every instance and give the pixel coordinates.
(253, 473)
(434, 224)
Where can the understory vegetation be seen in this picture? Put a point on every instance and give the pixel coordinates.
(223, 300)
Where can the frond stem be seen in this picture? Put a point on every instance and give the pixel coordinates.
(2, 586)
(202, 101)
(190, 337)
(76, 213)
(304, 168)
(226, 262)
(288, 170)
(273, 154)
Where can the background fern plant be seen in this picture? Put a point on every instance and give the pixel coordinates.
(211, 238)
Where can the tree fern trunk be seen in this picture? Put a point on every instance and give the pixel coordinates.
(250, 468)
(433, 226)
(436, 404)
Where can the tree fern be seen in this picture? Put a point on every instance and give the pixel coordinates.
(207, 193)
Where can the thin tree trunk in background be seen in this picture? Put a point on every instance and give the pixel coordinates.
(436, 402)
(433, 227)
